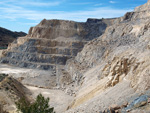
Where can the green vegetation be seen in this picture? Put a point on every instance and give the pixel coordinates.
(2, 76)
(3, 47)
(39, 106)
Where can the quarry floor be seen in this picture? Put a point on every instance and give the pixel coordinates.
(58, 99)
(7, 69)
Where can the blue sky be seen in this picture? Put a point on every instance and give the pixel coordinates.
(20, 15)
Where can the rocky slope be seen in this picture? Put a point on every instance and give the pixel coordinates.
(7, 37)
(113, 68)
(10, 91)
(52, 42)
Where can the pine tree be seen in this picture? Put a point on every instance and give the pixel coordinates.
(41, 105)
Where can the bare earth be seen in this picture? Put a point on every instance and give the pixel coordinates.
(58, 99)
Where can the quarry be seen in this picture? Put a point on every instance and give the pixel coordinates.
(97, 66)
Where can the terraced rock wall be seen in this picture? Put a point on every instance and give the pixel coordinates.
(53, 42)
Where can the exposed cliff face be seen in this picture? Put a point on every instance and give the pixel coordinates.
(52, 42)
(7, 37)
(129, 31)
(111, 69)
(143, 7)
(115, 62)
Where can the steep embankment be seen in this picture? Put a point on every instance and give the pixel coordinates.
(7, 37)
(115, 67)
(10, 91)
(111, 69)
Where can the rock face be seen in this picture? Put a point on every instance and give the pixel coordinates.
(113, 68)
(143, 7)
(7, 37)
(52, 42)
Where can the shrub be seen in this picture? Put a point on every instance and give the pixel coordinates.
(3, 48)
(2, 76)
(39, 106)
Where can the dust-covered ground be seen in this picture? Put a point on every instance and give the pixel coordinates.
(32, 78)
(58, 99)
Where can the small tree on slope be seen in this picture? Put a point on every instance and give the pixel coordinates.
(39, 106)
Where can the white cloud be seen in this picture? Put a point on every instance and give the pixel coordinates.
(30, 3)
(25, 23)
(15, 13)
(112, 2)
(41, 4)
(98, 4)
(82, 3)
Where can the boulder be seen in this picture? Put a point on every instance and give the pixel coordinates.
(138, 102)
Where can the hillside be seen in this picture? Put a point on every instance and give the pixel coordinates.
(103, 64)
(10, 91)
(114, 68)
(52, 42)
(7, 37)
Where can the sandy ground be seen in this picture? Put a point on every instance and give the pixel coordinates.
(7, 69)
(32, 77)
(58, 99)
